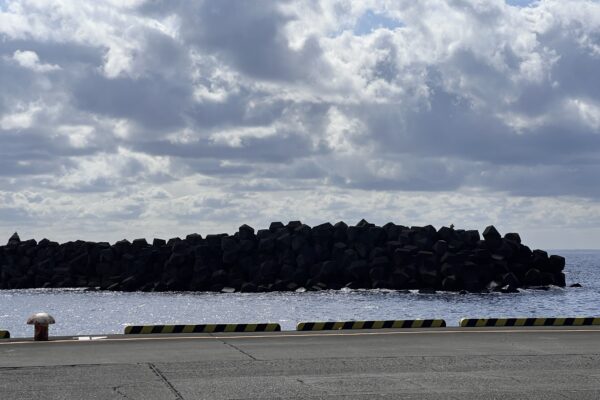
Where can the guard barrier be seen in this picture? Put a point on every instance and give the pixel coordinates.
(205, 328)
(328, 326)
(484, 322)
(4, 335)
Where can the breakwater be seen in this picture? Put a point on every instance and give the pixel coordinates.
(286, 258)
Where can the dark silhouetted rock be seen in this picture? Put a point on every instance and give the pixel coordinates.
(139, 243)
(159, 242)
(513, 237)
(556, 263)
(276, 226)
(533, 277)
(492, 236)
(246, 232)
(290, 257)
(14, 240)
(194, 238)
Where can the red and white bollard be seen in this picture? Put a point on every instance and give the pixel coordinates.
(40, 321)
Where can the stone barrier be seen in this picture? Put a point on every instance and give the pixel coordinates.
(287, 258)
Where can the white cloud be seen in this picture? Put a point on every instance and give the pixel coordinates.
(29, 59)
(445, 107)
(22, 117)
(587, 111)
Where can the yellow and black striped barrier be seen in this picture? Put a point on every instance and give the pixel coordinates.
(397, 324)
(4, 335)
(485, 322)
(204, 328)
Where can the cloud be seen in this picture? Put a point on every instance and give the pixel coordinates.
(30, 60)
(380, 101)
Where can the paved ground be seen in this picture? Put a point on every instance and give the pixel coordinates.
(486, 363)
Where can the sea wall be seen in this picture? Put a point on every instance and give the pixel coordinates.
(288, 257)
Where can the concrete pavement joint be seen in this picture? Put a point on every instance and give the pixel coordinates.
(164, 379)
(116, 390)
(240, 350)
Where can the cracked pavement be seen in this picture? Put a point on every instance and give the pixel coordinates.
(488, 363)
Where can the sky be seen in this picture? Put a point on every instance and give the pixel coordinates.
(159, 118)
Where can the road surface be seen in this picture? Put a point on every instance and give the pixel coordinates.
(444, 363)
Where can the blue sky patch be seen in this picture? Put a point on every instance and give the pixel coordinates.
(370, 21)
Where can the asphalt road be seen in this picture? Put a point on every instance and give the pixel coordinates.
(450, 363)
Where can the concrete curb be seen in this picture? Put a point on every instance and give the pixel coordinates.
(203, 328)
(417, 323)
(559, 321)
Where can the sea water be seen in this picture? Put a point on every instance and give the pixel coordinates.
(81, 312)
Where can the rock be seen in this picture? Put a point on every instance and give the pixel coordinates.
(363, 223)
(214, 241)
(513, 237)
(171, 242)
(303, 231)
(510, 279)
(276, 226)
(322, 230)
(215, 287)
(492, 236)
(139, 243)
(288, 257)
(440, 247)
(399, 278)
(300, 277)
(508, 289)
(540, 260)
(246, 232)
(159, 242)
(358, 271)
(292, 225)
(249, 287)
(375, 236)
(352, 285)
(471, 237)
(339, 232)
(575, 285)
(448, 270)
(556, 263)
(194, 238)
(219, 277)
(533, 277)
(446, 233)
(392, 231)
(377, 274)
(450, 283)
(559, 279)
(14, 240)
(266, 245)
(229, 245)
(298, 242)
(268, 271)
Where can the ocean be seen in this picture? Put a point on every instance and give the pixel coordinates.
(80, 312)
